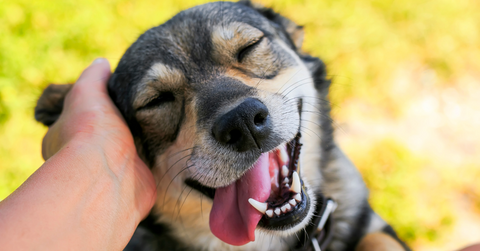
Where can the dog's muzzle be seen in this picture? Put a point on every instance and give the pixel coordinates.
(270, 194)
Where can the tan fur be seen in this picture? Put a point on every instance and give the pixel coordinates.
(378, 242)
(297, 34)
(187, 210)
(159, 77)
(241, 76)
(229, 38)
(183, 145)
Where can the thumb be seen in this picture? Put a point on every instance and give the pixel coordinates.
(96, 75)
(91, 86)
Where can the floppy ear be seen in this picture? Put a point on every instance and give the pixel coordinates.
(50, 104)
(294, 31)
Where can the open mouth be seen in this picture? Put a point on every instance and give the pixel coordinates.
(276, 195)
(288, 202)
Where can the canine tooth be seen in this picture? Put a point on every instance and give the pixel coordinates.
(284, 171)
(269, 212)
(277, 211)
(292, 202)
(297, 197)
(295, 183)
(286, 180)
(283, 154)
(288, 207)
(261, 207)
(287, 185)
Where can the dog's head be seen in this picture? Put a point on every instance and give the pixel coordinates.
(215, 99)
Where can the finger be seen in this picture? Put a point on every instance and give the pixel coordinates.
(91, 86)
(96, 75)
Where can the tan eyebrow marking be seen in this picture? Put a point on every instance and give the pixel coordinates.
(159, 77)
(229, 38)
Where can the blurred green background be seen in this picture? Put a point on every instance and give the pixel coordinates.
(405, 93)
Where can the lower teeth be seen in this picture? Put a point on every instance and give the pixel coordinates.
(285, 208)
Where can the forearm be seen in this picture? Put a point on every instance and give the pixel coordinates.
(74, 200)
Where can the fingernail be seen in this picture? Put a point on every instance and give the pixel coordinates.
(98, 60)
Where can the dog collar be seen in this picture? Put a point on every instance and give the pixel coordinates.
(318, 234)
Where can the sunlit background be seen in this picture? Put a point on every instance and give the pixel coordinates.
(405, 93)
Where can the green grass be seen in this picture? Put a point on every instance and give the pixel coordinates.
(364, 43)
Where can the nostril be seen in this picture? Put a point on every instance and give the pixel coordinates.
(259, 119)
(234, 136)
(245, 127)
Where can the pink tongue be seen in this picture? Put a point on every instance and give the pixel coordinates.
(232, 219)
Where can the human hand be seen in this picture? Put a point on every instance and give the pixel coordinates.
(93, 189)
(90, 120)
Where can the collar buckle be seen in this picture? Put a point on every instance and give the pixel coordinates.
(329, 209)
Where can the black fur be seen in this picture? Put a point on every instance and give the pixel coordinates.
(152, 236)
(184, 43)
(359, 230)
(389, 230)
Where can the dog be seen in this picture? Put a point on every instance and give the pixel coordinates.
(234, 121)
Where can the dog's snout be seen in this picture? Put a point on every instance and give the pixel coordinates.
(245, 127)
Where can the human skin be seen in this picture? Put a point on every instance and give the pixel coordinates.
(93, 189)
(471, 248)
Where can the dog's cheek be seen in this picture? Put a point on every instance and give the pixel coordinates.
(178, 154)
(172, 167)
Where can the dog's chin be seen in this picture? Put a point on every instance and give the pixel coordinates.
(291, 203)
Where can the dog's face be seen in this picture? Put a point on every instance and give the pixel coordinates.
(215, 100)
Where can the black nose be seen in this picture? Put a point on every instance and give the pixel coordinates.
(245, 127)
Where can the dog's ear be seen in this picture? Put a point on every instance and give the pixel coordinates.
(294, 31)
(50, 104)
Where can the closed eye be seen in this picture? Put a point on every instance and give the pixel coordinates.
(161, 99)
(244, 51)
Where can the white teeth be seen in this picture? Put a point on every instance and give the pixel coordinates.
(288, 207)
(284, 171)
(285, 208)
(297, 197)
(277, 211)
(287, 185)
(283, 154)
(292, 202)
(269, 212)
(286, 180)
(261, 207)
(295, 183)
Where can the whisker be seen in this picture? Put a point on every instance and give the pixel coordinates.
(171, 166)
(296, 84)
(287, 82)
(180, 209)
(171, 181)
